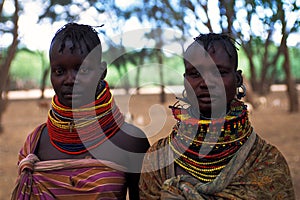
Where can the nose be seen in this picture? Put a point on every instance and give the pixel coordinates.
(70, 77)
(202, 83)
(207, 80)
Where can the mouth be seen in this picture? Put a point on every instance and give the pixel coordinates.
(206, 98)
(70, 95)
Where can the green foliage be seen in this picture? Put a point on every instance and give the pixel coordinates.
(280, 74)
(243, 63)
(295, 67)
(26, 70)
(173, 70)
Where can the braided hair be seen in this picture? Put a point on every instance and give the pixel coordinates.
(77, 33)
(207, 41)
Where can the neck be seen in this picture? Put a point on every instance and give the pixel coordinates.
(207, 116)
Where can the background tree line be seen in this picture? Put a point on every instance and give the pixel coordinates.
(252, 23)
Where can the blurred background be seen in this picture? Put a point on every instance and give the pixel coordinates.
(143, 42)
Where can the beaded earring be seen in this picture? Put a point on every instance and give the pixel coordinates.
(241, 91)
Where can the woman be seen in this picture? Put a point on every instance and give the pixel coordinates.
(213, 151)
(84, 150)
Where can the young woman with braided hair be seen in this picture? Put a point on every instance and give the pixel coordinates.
(213, 151)
(85, 150)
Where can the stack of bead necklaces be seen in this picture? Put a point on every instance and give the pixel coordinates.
(75, 131)
(220, 139)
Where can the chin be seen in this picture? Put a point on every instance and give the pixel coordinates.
(67, 103)
(212, 112)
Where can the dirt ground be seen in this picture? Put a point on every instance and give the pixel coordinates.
(271, 120)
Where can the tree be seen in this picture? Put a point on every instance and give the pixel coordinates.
(161, 14)
(291, 84)
(239, 19)
(271, 14)
(6, 57)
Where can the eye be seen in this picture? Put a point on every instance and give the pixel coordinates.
(223, 72)
(194, 74)
(84, 70)
(58, 71)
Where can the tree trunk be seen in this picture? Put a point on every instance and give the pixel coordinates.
(159, 54)
(161, 77)
(43, 83)
(264, 79)
(138, 72)
(253, 77)
(126, 79)
(3, 102)
(6, 61)
(291, 84)
(137, 79)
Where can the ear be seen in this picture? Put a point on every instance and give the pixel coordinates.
(239, 78)
(103, 70)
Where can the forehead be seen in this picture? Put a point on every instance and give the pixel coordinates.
(216, 55)
(68, 45)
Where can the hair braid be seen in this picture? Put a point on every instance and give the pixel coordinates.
(76, 33)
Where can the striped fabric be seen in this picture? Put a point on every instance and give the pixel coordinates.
(66, 179)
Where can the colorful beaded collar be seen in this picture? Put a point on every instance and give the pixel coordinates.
(220, 130)
(75, 131)
(204, 147)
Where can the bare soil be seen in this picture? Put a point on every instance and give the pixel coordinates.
(271, 120)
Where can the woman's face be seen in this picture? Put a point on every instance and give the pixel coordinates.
(74, 78)
(210, 79)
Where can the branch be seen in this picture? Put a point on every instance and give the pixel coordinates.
(1, 6)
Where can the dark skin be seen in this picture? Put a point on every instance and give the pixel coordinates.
(210, 81)
(71, 75)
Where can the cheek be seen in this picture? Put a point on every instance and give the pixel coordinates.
(190, 84)
(88, 80)
(191, 87)
(54, 81)
(230, 90)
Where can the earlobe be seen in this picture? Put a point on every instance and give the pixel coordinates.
(239, 77)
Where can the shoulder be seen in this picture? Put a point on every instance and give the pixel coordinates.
(132, 130)
(132, 138)
(31, 141)
(34, 137)
(269, 151)
(36, 133)
(266, 158)
(268, 163)
(158, 154)
(159, 144)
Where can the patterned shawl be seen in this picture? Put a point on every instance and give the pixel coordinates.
(257, 171)
(66, 179)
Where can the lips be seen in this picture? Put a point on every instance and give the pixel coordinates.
(71, 95)
(68, 94)
(205, 98)
(203, 95)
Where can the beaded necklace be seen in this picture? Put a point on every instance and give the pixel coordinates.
(75, 131)
(204, 147)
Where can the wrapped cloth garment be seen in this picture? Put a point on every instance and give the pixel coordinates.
(68, 178)
(257, 171)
